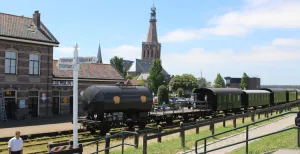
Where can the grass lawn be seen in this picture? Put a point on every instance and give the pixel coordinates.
(286, 139)
(172, 143)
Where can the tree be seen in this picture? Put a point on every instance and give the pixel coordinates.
(208, 84)
(129, 76)
(140, 83)
(219, 82)
(244, 81)
(186, 81)
(117, 63)
(194, 90)
(162, 94)
(179, 92)
(156, 76)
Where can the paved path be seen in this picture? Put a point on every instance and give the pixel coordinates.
(254, 132)
(287, 151)
(9, 132)
(36, 126)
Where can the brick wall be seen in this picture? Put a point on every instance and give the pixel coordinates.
(22, 82)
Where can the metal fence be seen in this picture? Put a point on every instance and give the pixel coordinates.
(124, 134)
(212, 122)
(247, 135)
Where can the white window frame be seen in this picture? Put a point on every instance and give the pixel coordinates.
(39, 63)
(16, 63)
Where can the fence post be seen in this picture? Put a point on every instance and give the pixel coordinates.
(197, 128)
(159, 133)
(107, 143)
(247, 135)
(136, 139)
(97, 146)
(182, 135)
(252, 117)
(145, 144)
(259, 115)
(267, 114)
(212, 127)
(234, 122)
(224, 123)
(123, 142)
(243, 119)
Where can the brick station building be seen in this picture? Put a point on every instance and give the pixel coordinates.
(28, 73)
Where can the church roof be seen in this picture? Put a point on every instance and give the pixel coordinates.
(127, 64)
(142, 66)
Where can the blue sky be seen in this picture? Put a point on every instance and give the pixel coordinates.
(259, 37)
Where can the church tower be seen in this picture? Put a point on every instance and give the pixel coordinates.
(151, 48)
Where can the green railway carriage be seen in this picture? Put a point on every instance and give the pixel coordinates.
(291, 95)
(220, 99)
(277, 95)
(254, 98)
(298, 94)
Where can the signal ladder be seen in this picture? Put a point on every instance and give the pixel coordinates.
(3, 116)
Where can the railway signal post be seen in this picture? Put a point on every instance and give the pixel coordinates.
(73, 63)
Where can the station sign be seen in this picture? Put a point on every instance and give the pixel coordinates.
(63, 66)
(81, 60)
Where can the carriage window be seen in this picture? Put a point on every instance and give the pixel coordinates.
(238, 97)
(229, 98)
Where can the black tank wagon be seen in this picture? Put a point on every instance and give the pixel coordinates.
(108, 106)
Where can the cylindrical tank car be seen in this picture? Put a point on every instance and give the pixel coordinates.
(108, 106)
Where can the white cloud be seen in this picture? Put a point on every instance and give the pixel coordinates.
(255, 14)
(271, 63)
(66, 49)
(181, 35)
(127, 52)
(286, 42)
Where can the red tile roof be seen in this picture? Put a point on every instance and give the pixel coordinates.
(89, 71)
(24, 28)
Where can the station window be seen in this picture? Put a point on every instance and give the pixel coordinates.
(10, 62)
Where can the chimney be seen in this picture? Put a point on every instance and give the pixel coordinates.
(37, 18)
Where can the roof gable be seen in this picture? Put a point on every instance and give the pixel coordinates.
(89, 71)
(13, 26)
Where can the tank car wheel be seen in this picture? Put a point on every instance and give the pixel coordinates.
(169, 121)
(142, 125)
(130, 126)
(92, 131)
(157, 121)
(105, 128)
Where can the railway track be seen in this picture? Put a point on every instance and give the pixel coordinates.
(86, 137)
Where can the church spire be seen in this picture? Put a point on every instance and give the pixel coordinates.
(99, 56)
(152, 33)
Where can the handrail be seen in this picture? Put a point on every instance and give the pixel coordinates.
(247, 140)
(247, 127)
(106, 149)
(110, 136)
